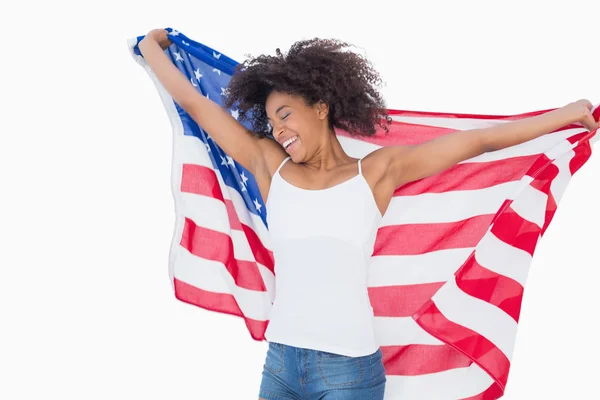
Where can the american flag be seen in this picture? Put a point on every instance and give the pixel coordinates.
(451, 256)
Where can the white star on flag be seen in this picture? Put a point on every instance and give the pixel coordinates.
(216, 55)
(244, 178)
(174, 32)
(218, 71)
(192, 80)
(235, 114)
(230, 161)
(178, 57)
(224, 161)
(198, 74)
(257, 205)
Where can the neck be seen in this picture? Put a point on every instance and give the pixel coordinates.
(329, 155)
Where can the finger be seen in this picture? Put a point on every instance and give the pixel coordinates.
(589, 122)
(588, 104)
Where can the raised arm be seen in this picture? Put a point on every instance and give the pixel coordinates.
(409, 163)
(226, 131)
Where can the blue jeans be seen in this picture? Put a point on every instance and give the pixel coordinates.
(293, 373)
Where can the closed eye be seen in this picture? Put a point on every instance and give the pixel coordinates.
(286, 115)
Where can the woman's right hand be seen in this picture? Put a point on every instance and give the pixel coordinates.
(160, 36)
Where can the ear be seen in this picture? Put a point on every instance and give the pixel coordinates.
(322, 109)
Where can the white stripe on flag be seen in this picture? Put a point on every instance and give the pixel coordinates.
(205, 211)
(212, 276)
(191, 150)
(447, 206)
(439, 386)
(250, 219)
(434, 266)
(504, 259)
(194, 205)
(530, 205)
(356, 148)
(560, 183)
(269, 280)
(211, 213)
(480, 316)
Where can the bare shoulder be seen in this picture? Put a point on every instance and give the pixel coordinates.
(376, 164)
(378, 169)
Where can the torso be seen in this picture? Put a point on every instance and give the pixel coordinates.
(322, 240)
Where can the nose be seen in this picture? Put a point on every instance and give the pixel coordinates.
(278, 129)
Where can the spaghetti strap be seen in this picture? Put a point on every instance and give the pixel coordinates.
(359, 167)
(281, 165)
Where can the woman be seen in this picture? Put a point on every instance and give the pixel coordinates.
(324, 206)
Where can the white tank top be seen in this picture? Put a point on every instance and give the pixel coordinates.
(322, 242)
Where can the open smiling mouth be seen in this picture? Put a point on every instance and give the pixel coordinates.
(289, 144)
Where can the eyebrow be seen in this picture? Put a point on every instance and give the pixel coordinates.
(279, 109)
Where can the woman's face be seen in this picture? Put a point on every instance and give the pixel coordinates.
(296, 126)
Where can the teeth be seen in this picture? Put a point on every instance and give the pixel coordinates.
(289, 141)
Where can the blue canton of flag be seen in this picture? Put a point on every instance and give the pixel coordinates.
(210, 72)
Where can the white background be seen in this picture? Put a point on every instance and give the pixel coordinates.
(86, 213)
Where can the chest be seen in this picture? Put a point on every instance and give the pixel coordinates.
(346, 212)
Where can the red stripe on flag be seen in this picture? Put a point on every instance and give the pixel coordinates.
(543, 183)
(261, 254)
(218, 302)
(583, 151)
(543, 179)
(234, 220)
(401, 134)
(419, 359)
(473, 345)
(539, 165)
(491, 287)
(218, 246)
(203, 181)
(411, 239)
(512, 229)
(581, 137)
(550, 211)
(200, 180)
(401, 301)
(494, 392)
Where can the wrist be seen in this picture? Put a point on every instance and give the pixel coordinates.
(147, 42)
(147, 39)
(575, 112)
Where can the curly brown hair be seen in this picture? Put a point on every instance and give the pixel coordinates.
(317, 70)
